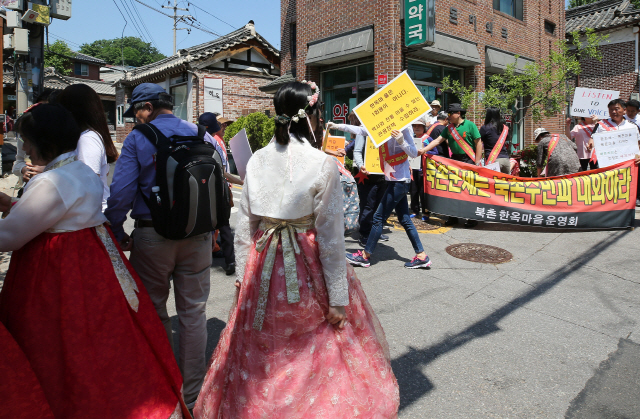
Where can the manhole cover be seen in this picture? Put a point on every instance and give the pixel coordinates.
(480, 253)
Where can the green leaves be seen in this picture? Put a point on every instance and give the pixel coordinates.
(58, 56)
(542, 88)
(260, 129)
(136, 52)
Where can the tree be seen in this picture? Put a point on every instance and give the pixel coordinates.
(543, 85)
(260, 129)
(136, 52)
(58, 56)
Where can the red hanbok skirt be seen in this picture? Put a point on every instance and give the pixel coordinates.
(298, 366)
(93, 355)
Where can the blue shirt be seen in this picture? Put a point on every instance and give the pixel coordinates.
(136, 167)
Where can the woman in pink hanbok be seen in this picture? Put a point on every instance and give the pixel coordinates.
(302, 340)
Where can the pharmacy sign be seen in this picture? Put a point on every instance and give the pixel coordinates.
(419, 22)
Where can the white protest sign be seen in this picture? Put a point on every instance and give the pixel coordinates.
(415, 162)
(241, 150)
(587, 102)
(616, 146)
(495, 166)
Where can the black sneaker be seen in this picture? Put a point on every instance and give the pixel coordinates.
(231, 268)
(417, 263)
(637, 202)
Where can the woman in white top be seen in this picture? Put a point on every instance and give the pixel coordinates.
(70, 299)
(95, 147)
(302, 340)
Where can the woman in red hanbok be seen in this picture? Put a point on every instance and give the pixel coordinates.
(71, 301)
(302, 340)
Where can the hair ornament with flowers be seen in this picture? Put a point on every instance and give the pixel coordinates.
(302, 113)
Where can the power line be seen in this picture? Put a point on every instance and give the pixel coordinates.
(143, 24)
(65, 40)
(133, 20)
(213, 16)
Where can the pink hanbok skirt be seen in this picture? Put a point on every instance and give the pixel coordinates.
(298, 365)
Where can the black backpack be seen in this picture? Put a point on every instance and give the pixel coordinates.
(191, 196)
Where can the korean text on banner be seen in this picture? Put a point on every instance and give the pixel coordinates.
(241, 151)
(587, 102)
(395, 106)
(616, 146)
(372, 158)
(601, 198)
(335, 143)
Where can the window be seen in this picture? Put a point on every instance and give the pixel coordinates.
(180, 95)
(510, 7)
(81, 69)
(120, 115)
(428, 79)
(549, 27)
(293, 40)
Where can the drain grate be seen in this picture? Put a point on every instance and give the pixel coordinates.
(480, 253)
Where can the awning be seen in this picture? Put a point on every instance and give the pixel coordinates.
(348, 46)
(451, 50)
(496, 61)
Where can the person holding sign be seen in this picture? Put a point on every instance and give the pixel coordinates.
(581, 134)
(395, 154)
(371, 186)
(494, 134)
(465, 143)
(559, 153)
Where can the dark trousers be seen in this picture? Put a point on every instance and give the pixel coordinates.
(226, 243)
(584, 163)
(418, 198)
(370, 193)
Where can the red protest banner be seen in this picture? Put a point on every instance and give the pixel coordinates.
(601, 198)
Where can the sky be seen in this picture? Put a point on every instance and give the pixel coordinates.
(100, 19)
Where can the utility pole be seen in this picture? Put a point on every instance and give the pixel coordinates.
(177, 18)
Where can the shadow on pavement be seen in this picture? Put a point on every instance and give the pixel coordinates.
(407, 368)
(214, 329)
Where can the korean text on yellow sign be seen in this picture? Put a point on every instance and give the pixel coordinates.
(334, 144)
(372, 158)
(394, 106)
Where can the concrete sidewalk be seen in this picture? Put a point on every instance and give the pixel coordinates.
(553, 333)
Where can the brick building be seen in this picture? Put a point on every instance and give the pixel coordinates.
(346, 45)
(618, 69)
(84, 66)
(221, 76)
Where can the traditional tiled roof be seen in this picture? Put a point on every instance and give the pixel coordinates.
(275, 84)
(56, 81)
(601, 15)
(88, 59)
(103, 88)
(199, 52)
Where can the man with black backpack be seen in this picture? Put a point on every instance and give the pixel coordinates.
(170, 175)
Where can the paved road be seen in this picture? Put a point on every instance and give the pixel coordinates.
(554, 333)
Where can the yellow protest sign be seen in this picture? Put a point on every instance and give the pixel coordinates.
(394, 106)
(335, 143)
(372, 158)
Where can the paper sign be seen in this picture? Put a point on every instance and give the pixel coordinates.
(241, 151)
(587, 102)
(495, 166)
(372, 158)
(334, 144)
(395, 106)
(616, 146)
(415, 162)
